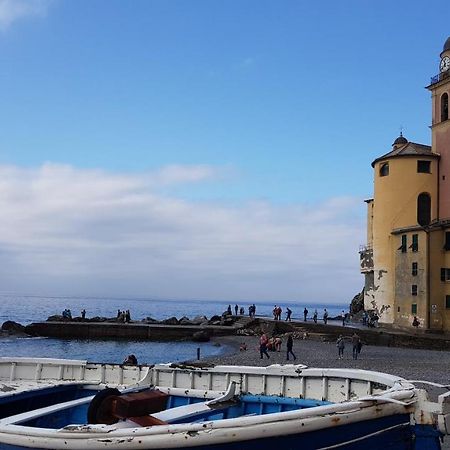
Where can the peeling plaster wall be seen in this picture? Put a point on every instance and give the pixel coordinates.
(369, 293)
(404, 280)
(366, 260)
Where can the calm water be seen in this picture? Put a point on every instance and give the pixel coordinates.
(28, 309)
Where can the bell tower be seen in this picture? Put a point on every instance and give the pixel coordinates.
(440, 128)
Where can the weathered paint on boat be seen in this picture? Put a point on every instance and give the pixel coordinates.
(370, 409)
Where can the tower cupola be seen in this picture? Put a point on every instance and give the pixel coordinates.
(401, 140)
(446, 45)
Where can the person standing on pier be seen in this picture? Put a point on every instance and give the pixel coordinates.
(288, 314)
(315, 316)
(305, 314)
(236, 309)
(325, 316)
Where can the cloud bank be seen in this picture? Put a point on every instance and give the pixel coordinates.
(13, 10)
(91, 232)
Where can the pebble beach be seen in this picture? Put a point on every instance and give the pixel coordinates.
(409, 363)
(412, 364)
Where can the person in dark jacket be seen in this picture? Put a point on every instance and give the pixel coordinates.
(289, 346)
(356, 343)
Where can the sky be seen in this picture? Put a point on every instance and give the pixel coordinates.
(202, 149)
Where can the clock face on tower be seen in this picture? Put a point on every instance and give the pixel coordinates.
(445, 64)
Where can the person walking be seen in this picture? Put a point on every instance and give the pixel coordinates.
(263, 340)
(288, 314)
(340, 344)
(315, 316)
(343, 318)
(356, 343)
(325, 316)
(289, 346)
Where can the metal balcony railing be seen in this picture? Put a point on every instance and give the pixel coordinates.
(439, 77)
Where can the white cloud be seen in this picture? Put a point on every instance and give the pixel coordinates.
(14, 10)
(72, 231)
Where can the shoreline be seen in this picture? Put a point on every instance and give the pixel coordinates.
(409, 363)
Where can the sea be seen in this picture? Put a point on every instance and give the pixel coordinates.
(26, 309)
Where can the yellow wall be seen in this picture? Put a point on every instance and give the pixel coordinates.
(395, 207)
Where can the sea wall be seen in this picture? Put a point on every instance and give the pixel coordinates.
(129, 331)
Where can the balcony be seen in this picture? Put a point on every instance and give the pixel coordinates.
(439, 77)
(366, 258)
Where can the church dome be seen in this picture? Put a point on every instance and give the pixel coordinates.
(447, 45)
(400, 140)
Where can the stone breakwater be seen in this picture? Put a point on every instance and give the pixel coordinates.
(201, 330)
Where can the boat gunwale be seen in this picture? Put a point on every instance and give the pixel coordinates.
(9, 424)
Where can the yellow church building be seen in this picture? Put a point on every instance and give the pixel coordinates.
(406, 261)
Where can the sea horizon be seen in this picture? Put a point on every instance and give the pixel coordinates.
(26, 309)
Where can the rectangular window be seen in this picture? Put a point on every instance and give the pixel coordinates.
(445, 274)
(447, 301)
(414, 308)
(403, 244)
(415, 243)
(424, 166)
(414, 269)
(414, 289)
(447, 240)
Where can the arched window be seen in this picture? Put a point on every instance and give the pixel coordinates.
(444, 107)
(424, 209)
(384, 170)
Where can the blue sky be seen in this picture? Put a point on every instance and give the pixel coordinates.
(241, 131)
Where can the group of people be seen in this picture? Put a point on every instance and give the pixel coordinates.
(371, 320)
(275, 344)
(240, 310)
(277, 312)
(67, 314)
(123, 316)
(356, 345)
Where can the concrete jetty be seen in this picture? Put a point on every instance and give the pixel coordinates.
(129, 331)
(238, 326)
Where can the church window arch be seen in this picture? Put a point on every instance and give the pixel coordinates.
(384, 169)
(424, 209)
(444, 107)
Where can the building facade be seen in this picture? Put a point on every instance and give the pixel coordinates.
(406, 260)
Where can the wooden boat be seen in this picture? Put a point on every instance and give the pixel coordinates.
(46, 403)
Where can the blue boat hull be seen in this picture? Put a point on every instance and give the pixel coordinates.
(387, 433)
